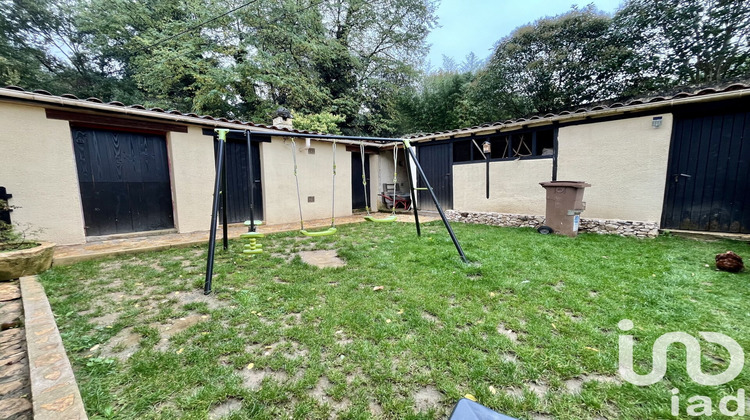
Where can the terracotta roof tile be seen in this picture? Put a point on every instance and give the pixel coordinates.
(157, 110)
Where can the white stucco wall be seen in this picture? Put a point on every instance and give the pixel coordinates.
(514, 186)
(625, 161)
(193, 174)
(37, 166)
(314, 171)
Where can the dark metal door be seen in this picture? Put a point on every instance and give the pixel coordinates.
(437, 163)
(238, 181)
(358, 191)
(124, 180)
(709, 168)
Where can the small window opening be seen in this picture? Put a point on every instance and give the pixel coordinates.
(462, 151)
(545, 143)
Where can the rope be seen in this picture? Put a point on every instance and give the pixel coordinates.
(333, 198)
(296, 181)
(364, 178)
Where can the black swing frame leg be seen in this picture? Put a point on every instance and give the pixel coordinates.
(435, 200)
(413, 191)
(214, 213)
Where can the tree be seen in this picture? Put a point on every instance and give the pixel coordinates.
(239, 58)
(678, 42)
(559, 62)
(437, 103)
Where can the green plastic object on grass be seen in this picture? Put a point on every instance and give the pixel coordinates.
(252, 235)
(327, 232)
(391, 218)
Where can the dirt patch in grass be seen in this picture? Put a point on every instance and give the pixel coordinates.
(430, 317)
(319, 392)
(573, 317)
(427, 398)
(512, 335)
(224, 409)
(322, 258)
(509, 357)
(252, 379)
(196, 296)
(342, 339)
(538, 388)
(106, 319)
(575, 385)
(110, 266)
(123, 345)
(168, 330)
(375, 408)
(514, 392)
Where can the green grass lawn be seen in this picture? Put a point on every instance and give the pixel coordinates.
(529, 327)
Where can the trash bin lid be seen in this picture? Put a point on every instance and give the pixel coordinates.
(573, 184)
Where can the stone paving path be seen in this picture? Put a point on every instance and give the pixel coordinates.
(69, 254)
(15, 390)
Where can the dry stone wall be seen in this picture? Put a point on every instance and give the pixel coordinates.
(613, 227)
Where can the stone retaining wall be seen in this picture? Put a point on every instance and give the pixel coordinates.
(615, 227)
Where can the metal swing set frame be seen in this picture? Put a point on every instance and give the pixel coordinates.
(220, 188)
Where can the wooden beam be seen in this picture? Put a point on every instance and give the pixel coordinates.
(103, 121)
(368, 150)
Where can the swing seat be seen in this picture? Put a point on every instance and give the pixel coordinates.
(257, 223)
(391, 218)
(327, 232)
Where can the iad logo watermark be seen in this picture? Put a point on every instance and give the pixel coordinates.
(700, 405)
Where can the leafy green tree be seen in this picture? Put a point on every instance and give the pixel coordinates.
(559, 62)
(436, 104)
(324, 122)
(684, 42)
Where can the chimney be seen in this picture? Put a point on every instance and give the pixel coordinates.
(283, 118)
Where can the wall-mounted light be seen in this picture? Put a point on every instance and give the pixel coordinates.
(486, 147)
(656, 122)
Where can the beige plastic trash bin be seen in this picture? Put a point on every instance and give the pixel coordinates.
(564, 205)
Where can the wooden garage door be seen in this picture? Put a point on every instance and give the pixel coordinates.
(124, 179)
(709, 167)
(437, 163)
(238, 180)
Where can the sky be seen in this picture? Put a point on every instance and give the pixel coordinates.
(475, 25)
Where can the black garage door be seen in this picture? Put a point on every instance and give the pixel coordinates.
(437, 162)
(124, 180)
(238, 180)
(709, 167)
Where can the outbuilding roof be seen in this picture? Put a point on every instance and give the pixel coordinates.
(655, 103)
(96, 104)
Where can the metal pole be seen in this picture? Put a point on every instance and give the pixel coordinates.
(435, 200)
(487, 176)
(225, 241)
(214, 213)
(252, 181)
(413, 191)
